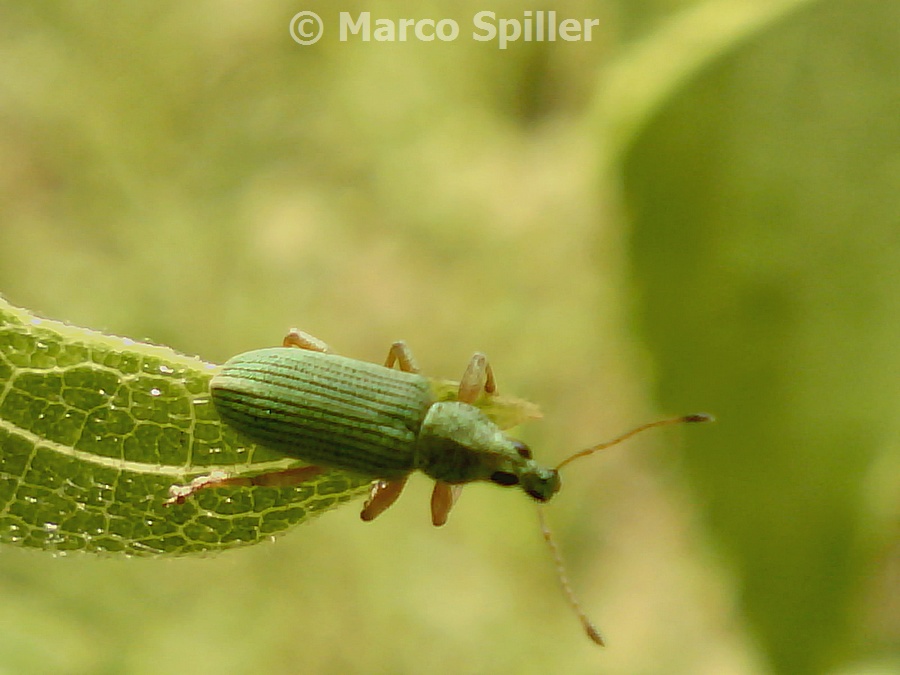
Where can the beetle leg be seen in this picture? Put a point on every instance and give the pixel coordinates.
(285, 478)
(402, 355)
(178, 494)
(479, 376)
(297, 338)
(443, 498)
(383, 494)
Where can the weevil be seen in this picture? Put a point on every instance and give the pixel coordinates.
(334, 412)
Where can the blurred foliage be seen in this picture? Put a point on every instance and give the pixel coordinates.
(695, 211)
(775, 179)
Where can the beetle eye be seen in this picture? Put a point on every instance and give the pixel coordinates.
(523, 450)
(504, 478)
(537, 495)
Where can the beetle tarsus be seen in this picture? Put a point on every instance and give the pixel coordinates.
(383, 494)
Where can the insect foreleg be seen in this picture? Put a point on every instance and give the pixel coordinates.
(443, 497)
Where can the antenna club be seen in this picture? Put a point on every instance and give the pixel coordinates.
(698, 417)
(594, 634)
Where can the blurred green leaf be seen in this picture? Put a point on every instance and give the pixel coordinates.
(766, 247)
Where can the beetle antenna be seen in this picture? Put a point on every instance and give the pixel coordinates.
(589, 627)
(699, 417)
(586, 623)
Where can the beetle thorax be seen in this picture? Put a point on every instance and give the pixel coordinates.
(457, 443)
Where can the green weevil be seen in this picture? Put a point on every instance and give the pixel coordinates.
(334, 412)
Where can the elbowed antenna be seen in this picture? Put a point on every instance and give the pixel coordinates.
(586, 623)
(572, 599)
(699, 417)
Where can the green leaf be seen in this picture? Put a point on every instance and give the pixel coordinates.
(94, 429)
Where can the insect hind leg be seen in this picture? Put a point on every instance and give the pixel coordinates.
(178, 494)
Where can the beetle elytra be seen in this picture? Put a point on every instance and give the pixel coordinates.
(335, 412)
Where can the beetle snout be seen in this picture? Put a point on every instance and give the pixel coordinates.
(542, 485)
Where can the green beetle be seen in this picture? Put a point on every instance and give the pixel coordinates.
(361, 417)
(335, 412)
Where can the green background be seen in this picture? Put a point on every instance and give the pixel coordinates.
(698, 210)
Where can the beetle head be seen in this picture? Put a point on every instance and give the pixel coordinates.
(459, 444)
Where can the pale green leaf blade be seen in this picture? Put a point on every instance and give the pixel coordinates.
(94, 429)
